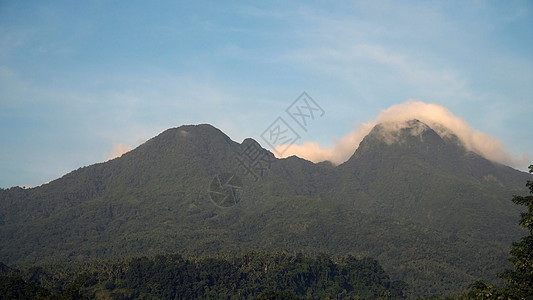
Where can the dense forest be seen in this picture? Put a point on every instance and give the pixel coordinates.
(251, 275)
(518, 281)
(433, 214)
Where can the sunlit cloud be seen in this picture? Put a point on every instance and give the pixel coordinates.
(118, 150)
(355, 57)
(439, 118)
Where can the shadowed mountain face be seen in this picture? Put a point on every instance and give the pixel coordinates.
(408, 172)
(435, 215)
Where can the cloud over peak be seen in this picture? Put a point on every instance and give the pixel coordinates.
(438, 117)
(118, 150)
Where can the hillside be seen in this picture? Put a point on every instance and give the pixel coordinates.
(432, 213)
(250, 275)
(415, 174)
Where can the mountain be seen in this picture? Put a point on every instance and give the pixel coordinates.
(412, 173)
(434, 214)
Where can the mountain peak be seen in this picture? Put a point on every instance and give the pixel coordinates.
(412, 139)
(205, 130)
(403, 131)
(201, 134)
(420, 191)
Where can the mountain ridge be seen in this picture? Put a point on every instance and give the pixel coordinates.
(443, 164)
(386, 202)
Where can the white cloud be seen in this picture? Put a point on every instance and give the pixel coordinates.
(118, 150)
(431, 114)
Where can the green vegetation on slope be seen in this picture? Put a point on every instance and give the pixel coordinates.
(429, 212)
(518, 282)
(251, 275)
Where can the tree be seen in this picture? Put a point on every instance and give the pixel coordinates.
(277, 295)
(519, 282)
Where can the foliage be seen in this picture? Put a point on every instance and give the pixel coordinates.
(518, 282)
(14, 287)
(427, 210)
(261, 275)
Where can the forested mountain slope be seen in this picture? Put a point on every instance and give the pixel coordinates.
(433, 214)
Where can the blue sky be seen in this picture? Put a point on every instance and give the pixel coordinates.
(82, 79)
